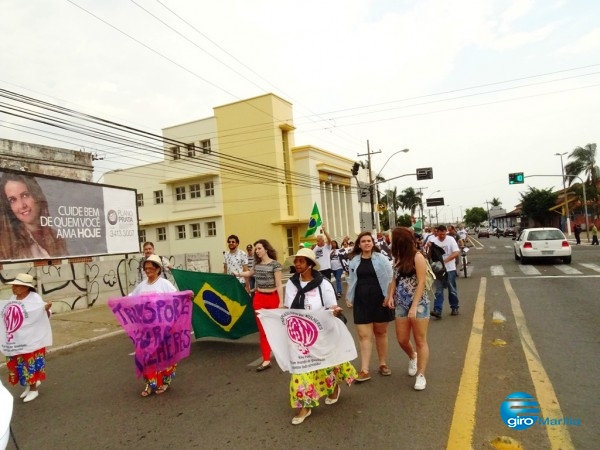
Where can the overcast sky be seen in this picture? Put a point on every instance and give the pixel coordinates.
(474, 88)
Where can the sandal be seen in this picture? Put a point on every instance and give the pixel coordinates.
(161, 389)
(147, 391)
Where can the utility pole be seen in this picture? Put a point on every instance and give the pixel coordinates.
(371, 190)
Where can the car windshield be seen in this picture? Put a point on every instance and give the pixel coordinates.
(545, 235)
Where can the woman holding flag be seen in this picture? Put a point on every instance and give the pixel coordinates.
(306, 290)
(27, 328)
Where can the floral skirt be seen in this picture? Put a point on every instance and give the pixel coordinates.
(307, 388)
(28, 368)
(160, 378)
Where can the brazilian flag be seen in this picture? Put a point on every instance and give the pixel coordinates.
(314, 221)
(222, 307)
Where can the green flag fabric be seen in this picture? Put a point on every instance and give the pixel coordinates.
(314, 221)
(222, 307)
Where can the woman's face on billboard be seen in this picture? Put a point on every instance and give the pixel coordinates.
(23, 205)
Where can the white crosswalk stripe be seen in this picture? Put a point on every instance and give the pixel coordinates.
(529, 270)
(497, 271)
(591, 266)
(569, 270)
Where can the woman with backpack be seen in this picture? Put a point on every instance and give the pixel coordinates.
(408, 297)
(306, 290)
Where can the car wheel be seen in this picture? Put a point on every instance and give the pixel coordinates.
(567, 260)
(524, 260)
(517, 257)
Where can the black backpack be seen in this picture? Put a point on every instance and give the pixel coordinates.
(436, 260)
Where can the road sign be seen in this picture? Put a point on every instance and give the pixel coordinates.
(425, 173)
(516, 178)
(438, 201)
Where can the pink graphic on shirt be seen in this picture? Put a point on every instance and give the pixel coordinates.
(302, 332)
(13, 319)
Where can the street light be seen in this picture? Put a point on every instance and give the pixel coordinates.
(372, 184)
(406, 150)
(562, 168)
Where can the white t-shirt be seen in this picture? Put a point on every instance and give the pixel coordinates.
(312, 299)
(161, 285)
(323, 255)
(450, 246)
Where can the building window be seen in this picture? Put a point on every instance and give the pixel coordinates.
(289, 237)
(140, 199)
(209, 189)
(161, 234)
(205, 146)
(142, 236)
(195, 190)
(158, 197)
(180, 231)
(191, 150)
(211, 228)
(195, 230)
(180, 193)
(175, 152)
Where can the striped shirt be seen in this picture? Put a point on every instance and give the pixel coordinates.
(265, 274)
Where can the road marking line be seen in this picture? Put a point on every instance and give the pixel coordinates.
(568, 269)
(595, 267)
(463, 418)
(529, 270)
(497, 271)
(559, 437)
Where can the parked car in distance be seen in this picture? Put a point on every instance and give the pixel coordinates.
(510, 231)
(483, 232)
(542, 243)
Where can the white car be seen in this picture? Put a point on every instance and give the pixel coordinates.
(542, 243)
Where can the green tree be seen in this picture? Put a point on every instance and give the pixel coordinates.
(536, 204)
(496, 202)
(583, 161)
(474, 216)
(410, 200)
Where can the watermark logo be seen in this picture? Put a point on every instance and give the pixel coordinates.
(519, 411)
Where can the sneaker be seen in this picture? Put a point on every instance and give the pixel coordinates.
(385, 370)
(435, 313)
(339, 295)
(363, 375)
(412, 366)
(420, 382)
(454, 312)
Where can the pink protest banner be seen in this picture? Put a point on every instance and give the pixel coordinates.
(159, 325)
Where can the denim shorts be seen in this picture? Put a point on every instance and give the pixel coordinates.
(422, 311)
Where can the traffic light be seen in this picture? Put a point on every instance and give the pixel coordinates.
(516, 178)
(355, 167)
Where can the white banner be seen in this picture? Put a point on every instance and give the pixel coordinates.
(304, 340)
(25, 326)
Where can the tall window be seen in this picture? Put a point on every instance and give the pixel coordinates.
(191, 150)
(209, 189)
(158, 197)
(175, 152)
(161, 234)
(195, 230)
(195, 190)
(289, 237)
(140, 199)
(180, 231)
(211, 228)
(142, 236)
(180, 193)
(205, 146)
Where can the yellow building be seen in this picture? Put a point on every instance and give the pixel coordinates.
(239, 172)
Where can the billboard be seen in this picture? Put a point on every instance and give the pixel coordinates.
(45, 217)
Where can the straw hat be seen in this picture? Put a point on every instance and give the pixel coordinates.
(308, 254)
(23, 279)
(155, 259)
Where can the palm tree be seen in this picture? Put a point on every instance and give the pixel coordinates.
(584, 161)
(495, 202)
(410, 199)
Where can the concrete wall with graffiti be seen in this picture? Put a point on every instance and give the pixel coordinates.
(73, 286)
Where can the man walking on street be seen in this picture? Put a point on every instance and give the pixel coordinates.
(594, 235)
(236, 260)
(323, 253)
(148, 249)
(451, 252)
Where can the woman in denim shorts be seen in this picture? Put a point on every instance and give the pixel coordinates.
(408, 296)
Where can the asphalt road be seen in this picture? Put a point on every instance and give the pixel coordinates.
(91, 398)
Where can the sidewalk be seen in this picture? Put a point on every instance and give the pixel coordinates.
(79, 327)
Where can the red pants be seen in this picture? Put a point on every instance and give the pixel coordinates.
(264, 301)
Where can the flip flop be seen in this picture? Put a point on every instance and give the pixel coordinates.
(162, 389)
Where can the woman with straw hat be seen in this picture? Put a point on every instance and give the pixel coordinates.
(306, 290)
(26, 335)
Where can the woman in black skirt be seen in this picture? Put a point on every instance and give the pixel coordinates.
(370, 274)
